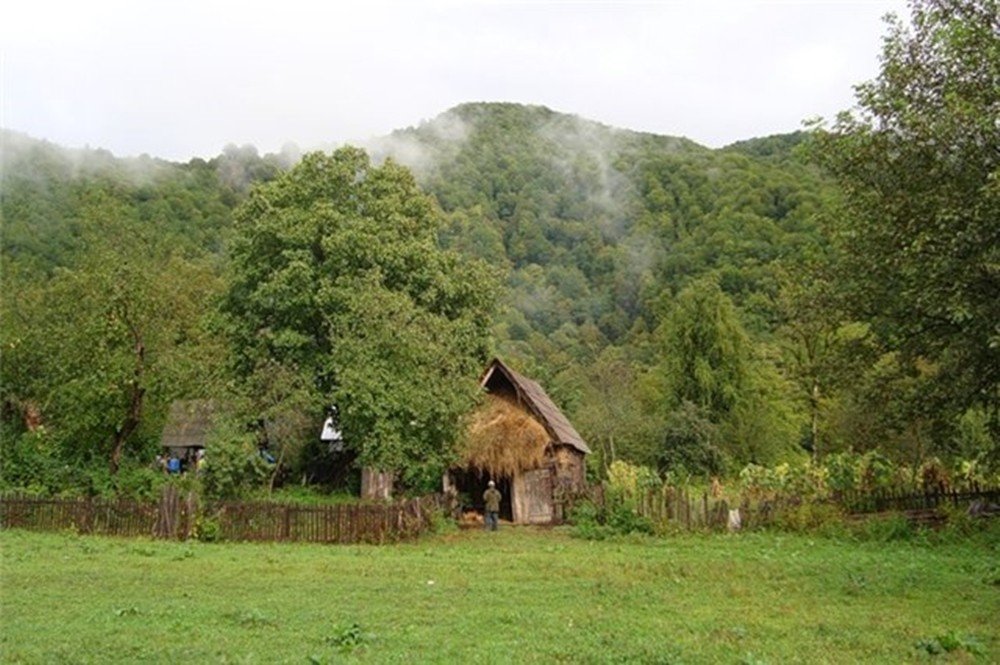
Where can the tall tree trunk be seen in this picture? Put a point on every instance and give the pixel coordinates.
(814, 419)
(133, 417)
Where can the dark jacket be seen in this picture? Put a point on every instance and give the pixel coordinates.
(492, 498)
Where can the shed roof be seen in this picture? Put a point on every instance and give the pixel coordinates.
(540, 404)
(188, 423)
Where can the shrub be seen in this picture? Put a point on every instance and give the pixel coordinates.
(623, 519)
(802, 481)
(631, 481)
(969, 473)
(588, 520)
(875, 471)
(234, 466)
(755, 481)
(885, 529)
(810, 516)
(207, 529)
(934, 476)
(841, 472)
(808, 480)
(139, 482)
(593, 522)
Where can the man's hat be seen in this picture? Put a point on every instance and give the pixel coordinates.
(491, 483)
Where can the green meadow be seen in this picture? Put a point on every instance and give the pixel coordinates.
(515, 596)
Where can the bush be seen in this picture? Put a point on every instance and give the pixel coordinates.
(592, 522)
(207, 529)
(588, 521)
(630, 481)
(841, 468)
(811, 516)
(875, 471)
(623, 519)
(802, 481)
(234, 467)
(139, 482)
(31, 462)
(885, 529)
(934, 476)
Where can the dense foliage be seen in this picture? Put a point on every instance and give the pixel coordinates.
(693, 310)
(920, 164)
(335, 274)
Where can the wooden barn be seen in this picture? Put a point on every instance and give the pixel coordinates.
(520, 439)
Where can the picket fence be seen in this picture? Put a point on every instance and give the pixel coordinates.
(180, 516)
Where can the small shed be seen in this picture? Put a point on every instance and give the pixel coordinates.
(520, 439)
(187, 428)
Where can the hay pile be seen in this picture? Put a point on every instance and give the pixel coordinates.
(503, 439)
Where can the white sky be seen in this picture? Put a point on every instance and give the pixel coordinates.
(180, 78)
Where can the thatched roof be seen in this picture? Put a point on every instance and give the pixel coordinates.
(503, 438)
(188, 423)
(541, 406)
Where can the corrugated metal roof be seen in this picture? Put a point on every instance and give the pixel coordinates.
(541, 406)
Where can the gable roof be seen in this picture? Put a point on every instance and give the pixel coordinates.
(539, 404)
(188, 423)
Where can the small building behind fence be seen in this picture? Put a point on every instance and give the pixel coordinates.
(186, 432)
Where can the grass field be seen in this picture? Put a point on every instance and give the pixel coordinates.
(519, 595)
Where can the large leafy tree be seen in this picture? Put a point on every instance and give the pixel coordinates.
(337, 274)
(95, 351)
(725, 402)
(918, 159)
(821, 351)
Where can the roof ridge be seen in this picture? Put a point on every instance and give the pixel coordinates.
(541, 405)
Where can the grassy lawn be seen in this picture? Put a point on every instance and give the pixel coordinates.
(519, 595)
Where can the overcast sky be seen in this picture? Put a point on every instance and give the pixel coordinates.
(179, 79)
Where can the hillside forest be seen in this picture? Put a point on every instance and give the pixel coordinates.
(829, 292)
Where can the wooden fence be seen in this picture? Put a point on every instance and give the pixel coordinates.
(344, 523)
(692, 510)
(903, 501)
(175, 516)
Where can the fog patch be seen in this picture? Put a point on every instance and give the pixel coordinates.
(38, 161)
(584, 155)
(423, 149)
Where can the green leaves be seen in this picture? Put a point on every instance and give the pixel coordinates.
(336, 272)
(919, 163)
(723, 401)
(110, 338)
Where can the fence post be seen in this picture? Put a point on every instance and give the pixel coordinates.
(189, 515)
(88, 515)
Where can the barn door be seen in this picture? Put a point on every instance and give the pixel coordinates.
(533, 497)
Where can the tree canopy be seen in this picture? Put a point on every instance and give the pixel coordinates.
(819, 291)
(918, 160)
(335, 271)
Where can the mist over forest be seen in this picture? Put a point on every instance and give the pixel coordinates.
(693, 310)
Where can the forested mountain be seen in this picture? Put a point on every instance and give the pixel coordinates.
(596, 224)
(599, 230)
(592, 224)
(688, 307)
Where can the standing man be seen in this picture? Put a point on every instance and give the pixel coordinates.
(492, 498)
